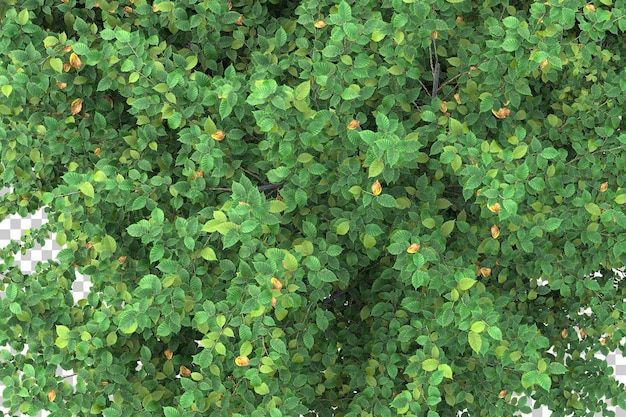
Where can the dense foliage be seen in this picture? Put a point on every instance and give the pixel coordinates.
(362, 208)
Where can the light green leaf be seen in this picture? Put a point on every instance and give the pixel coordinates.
(455, 126)
(466, 283)
(245, 349)
(428, 116)
(510, 44)
(276, 206)
(343, 227)
(447, 227)
(290, 262)
(456, 163)
(520, 151)
(86, 188)
(376, 168)
(109, 244)
(552, 224)
(207, 253)
(475, 341)
(262, 389)
(386, 200)
(22, 17)
(349, 94)
(302, 90)
(593, 209)
(430, 364)
(544, 381)
(278, 345)
(220, 348)
(429, 222)
(478, 326)
(549, 153)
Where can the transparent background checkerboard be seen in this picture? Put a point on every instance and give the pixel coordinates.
(12, 228)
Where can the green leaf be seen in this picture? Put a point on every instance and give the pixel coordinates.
(537, 184)
(334, 250)
(556, 368)
(278, 345)
(327, 275)
(344, 11)
(529, 378)
(549, 153)
(494, 332)
(510, 206)
(386, 200)
(552, 224)
(428, 116)
(511, 22)
(510, 44)
(349, 94)
(456, 127)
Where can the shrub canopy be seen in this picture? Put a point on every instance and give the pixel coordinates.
(361, 208)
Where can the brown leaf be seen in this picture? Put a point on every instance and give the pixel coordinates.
(77, 106)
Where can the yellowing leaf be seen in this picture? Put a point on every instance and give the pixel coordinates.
(77, 106)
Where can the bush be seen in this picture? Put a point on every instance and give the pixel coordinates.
(361, 208)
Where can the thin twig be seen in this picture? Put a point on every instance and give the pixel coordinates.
(266, 187)
(435, 80)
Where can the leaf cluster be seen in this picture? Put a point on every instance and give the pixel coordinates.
(354, 207)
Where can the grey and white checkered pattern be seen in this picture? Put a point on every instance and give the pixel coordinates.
(12, 229)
